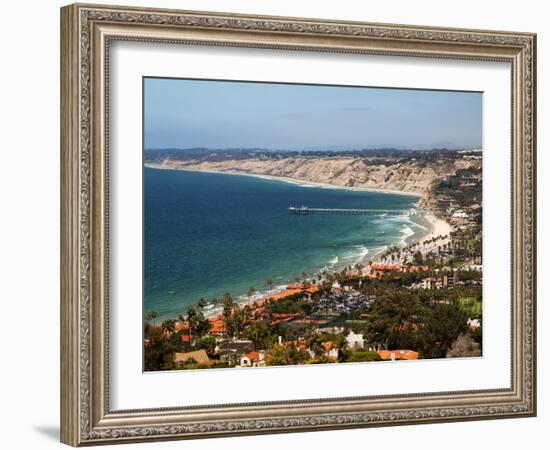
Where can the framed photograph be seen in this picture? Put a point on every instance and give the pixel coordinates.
(276, 224)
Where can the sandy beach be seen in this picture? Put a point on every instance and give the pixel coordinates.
(434, 226)
(437, 227)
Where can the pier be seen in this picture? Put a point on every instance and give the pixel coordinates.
(304, 210)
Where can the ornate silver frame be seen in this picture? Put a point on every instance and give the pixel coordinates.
(86, 31)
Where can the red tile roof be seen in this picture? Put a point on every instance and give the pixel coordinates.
(278, 318)
(384, 267)
(253, 356)
(312, 289)
(217, 324)
(296, 286)
(284, 294)
(284, 316)
(398, 354)
(328, 345)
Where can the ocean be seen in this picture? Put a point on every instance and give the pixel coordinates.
(210, 233)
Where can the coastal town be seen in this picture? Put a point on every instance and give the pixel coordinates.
(419, 300)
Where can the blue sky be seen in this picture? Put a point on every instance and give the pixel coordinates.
(219, 114)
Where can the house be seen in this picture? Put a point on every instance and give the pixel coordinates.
(460, 221)
(355, 340)
(253, 359)
(199, 356)
(330, 350)
(445, 201)
(336, 286)
(427, 283)
(393, 355)
(308, 288)
(217, 325)
(284, 294)
(415, 269)
(311, 289)
(460, 214)
(378, 270)
(450, 280)
(238, 347)
(473, 324)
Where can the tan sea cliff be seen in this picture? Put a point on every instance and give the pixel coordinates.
(389, 174)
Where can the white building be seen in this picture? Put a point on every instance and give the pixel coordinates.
(459, 214)
(355, 341)
(330, 351)
(253, 359)
(427, 283)
(474, 323)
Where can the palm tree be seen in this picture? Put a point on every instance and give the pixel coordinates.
(227, 302)
(168, 326)
(250, 292)
(246, 313)
(151, 316)
(267, 310)
(269, 283)
(201, 303)
(238, 319)
(192, 321)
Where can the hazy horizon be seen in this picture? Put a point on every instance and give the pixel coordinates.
(328, 149)
(225, 115)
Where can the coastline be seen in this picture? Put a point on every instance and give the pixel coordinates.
(290, 180)
(435, 226)
(432, 226)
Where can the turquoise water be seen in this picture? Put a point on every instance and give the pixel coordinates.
(206, 234)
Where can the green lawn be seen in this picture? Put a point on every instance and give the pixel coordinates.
(471, 306)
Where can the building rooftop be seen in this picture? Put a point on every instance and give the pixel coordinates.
(198, 355)
(253, 356)
(388, 355)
